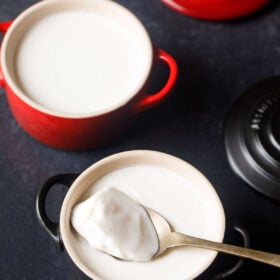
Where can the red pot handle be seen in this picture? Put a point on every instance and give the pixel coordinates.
(150, 101)
(4, 26)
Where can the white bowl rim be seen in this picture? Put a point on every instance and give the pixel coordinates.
(129, 156)
(147, 46)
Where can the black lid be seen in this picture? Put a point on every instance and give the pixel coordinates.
(252, 137)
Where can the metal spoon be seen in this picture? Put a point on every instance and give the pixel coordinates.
(168, 238)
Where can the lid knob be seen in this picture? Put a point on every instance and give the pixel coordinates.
(252, 137)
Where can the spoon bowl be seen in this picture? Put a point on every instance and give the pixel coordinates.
(168, 239)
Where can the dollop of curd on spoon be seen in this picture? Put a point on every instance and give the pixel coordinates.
(112, 222)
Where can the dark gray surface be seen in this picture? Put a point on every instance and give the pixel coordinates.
(217, 61)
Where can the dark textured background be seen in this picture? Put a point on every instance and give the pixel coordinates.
(217, 61)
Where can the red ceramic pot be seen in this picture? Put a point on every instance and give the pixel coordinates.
(70, 130)
(215, 9)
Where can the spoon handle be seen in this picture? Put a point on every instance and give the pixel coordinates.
(178, 239)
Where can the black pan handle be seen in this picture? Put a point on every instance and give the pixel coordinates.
(51, 227)
(246, 243)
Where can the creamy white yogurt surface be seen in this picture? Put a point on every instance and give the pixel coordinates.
(80, 62)
(112, 222)
(188, 204)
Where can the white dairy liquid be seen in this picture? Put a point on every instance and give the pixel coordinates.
(79, 62)
(180, 199)
(112, 222)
